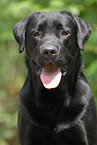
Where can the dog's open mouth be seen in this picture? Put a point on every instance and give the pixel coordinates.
(51, 76)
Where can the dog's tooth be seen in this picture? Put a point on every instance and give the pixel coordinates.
(38, 70)
(63, 69)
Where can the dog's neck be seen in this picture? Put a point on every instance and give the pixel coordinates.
(75, 73)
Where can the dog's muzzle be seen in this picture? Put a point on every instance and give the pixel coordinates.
(51, 72)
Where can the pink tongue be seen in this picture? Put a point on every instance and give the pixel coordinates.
(51, 79)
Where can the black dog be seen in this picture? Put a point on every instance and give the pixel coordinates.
(56, 101)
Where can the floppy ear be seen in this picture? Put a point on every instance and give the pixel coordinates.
(83, 32)
(83, 29)
(19, 31)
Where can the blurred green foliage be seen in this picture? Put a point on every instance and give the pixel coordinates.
(12, 67)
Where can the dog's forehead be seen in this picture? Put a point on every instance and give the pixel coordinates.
(50, 18)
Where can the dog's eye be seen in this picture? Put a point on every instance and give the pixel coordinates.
(64, 33)
(36, 34)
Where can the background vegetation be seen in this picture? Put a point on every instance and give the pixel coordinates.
(12, 68)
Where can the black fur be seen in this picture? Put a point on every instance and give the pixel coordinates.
(66, 114)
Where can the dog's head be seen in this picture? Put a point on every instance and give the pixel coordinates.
(52, 41)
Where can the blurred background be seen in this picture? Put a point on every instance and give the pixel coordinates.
(12, 68)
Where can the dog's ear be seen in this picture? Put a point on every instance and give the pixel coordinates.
(20, 30)
(83, 32)
(83, 29)
(19, 33)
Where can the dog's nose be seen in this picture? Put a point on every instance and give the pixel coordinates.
(50, 52)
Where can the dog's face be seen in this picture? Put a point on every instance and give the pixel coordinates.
(52, 42)
(51, 39)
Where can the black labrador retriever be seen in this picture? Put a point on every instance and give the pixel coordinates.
(56, 101)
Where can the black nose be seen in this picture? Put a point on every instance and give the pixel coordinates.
(49, 52)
